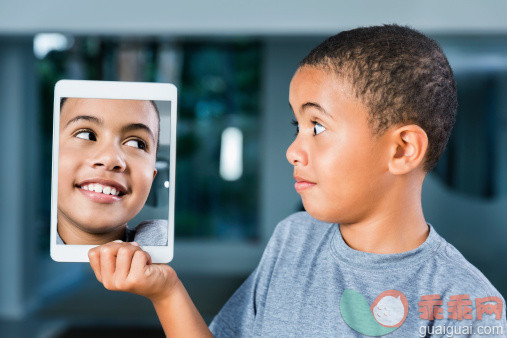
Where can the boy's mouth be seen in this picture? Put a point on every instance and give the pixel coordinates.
(302, 184)
(102, 191)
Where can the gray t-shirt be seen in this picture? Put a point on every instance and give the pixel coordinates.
(147, 233)
(310, 283)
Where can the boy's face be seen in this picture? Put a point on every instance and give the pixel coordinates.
(106, 161)
(344, 167)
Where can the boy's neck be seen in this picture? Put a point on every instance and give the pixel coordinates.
(396, 226)
(71, 234)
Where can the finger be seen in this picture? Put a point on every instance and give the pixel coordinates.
(108, 254)
(139, 261)
(124, 261)
(94, 257)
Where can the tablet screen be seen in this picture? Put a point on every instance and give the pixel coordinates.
(113, 174)
(113, 171)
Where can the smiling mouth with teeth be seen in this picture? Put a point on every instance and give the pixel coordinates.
(103, 189)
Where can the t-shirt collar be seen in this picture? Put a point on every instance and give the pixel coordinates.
(367, 260)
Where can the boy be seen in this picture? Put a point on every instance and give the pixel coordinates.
(106, 168)
(374, 107)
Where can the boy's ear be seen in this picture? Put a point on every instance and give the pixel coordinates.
(154, 173)
(408, 149)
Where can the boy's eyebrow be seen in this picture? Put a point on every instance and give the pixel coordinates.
(124, 129)
(316, 106)
(137, 126)
(84, 117)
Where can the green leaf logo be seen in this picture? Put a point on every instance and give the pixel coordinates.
(387, 312)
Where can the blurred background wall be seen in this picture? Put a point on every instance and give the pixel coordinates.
(232, 62)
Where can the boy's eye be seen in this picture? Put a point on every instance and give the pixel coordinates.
(318, 128)
(136, 144)
(295, 123)
(86, 135)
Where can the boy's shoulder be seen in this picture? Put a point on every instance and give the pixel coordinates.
(453, 264)
(152, 232)
(460, 282)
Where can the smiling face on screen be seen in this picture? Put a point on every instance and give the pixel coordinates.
(106, 162)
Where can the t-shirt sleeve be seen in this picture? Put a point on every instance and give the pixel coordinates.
(474, 292)
(489, 314)
(238, 316)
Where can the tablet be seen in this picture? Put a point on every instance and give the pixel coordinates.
(113, 174)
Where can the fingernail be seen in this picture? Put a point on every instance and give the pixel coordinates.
(118, 241)
(134, 243)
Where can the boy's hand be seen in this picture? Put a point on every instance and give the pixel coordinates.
(126, 267)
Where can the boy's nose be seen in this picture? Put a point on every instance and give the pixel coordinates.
(109, 157)
(295, 154)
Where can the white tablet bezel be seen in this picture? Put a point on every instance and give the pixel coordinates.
(111, 90)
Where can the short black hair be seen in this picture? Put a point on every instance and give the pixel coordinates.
(400, 75)
(63, 99)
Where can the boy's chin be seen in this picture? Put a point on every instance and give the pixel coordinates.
(101, 228)
(320, 213)
(313, 211)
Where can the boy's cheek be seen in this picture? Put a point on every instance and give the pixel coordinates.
(65, 162)
(70, 153)
(142, 179)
